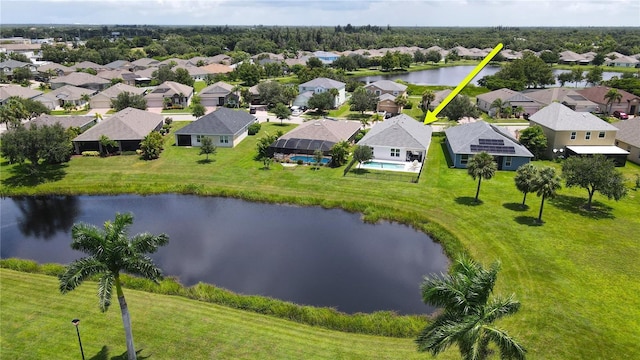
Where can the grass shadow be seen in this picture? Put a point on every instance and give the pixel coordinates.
(124, 356)
(468, 201)
(445, 151)
(515, 206)
(205, 161)
(26, 175)
(358, 171)
(358, 116)
(528, 220)
(576, 205)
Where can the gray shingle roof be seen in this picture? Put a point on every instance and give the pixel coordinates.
(172, 88)
(461, 138)
(629, 131)
(17, 90)
(387, 85)
(324, 129)
(401, 131)
(502, 94)
(79, 79)
(113, 91)
(324, 83)
(66, 121)
(223, 121)
(127, 124)
(68, 93)
(560, 118)
(220, 88)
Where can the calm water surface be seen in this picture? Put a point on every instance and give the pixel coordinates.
(306, 255)
(453, 75)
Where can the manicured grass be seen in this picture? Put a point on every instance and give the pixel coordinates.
(576, 275)
(199, 85)
(65, 112)
(36, 324)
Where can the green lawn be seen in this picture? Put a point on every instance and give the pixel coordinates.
(576, 276)
(199, 85)
(65, 112)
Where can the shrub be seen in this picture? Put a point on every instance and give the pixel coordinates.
(254, 128)
(90, 153)
(409, 105)
(299, 162)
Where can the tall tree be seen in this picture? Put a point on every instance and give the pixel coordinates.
(362, 100)
(613, 95)
(546, 184)
(282, 112)
(576, 75)
(428, 96)
(468, 314)
(339, 153)
(111, 252)
(13, 113)
(594, 173)
(198, 110)
(207, 147)
(525, 178)
(564, 77)
(594, 76)
(481, 166)
(534, 139)
(49, 144)
(460, 107)
(321, 101)
(362, 153)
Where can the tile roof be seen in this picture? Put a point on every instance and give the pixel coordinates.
(629, 131)
(223, 121)
(560, 118)
(597, 93)
(461, 137)
(401, 131)
(218, 68)
(126, 124)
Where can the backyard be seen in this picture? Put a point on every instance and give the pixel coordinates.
(576, 275)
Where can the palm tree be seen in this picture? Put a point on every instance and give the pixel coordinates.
(86, 98)
(236, 90)
(481, 166)
(525, 180)
(111, 252)
(401, 101)
(611, 96)
(546, 185)
(334, 92)
(468, 315)
(497, 104)
(518, 111)
(427, 98)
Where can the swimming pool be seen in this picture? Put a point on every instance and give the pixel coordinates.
(308, 159)
(377, 165)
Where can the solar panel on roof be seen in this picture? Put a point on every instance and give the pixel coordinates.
(491, 141)
(496, 149)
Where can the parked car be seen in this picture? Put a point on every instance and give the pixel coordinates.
(620, 115)
(252, 110)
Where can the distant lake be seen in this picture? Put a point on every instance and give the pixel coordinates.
(453, 75)
(307, 255)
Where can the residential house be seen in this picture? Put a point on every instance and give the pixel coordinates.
(7, 67)
(568, 97)
(302, 99)
(175, 62)
(82, 122)
(196, 73)
(629, 103)
(439, 97)
(572, 58)
(509, 98)
(218, 94)
(80, 79)
(400, 138)
(392, 90)
(315, 135)
(31, 51)
(226, 127)
(127, 128)
(570, 132)
(87, 65)
(511, 55)
(220, 59)
(623, 61)
(179, 95)
(102, 100)
(144, 63)
(326, 57)
(320, 85)
(65, 94)
(125, 76)
(628, 138)
(465, 141)
(119, 65)
(53, 69)
(8, 91)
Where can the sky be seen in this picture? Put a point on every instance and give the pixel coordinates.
(462, 13)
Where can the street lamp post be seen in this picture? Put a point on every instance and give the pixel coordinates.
(76, 322)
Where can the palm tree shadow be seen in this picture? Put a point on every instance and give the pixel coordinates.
(515, 206)
(576, 205)
(528, 220)
(26, 175)
(103, 354)
(468, 201)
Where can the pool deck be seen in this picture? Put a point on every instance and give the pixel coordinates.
(407, 166)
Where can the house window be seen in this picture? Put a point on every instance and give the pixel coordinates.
(507, 161)
(601, 135)
(464, 158)
(573, 135)
(378, 92)
(199, 138)
(587, 135)
(224, 139)
(395, 152)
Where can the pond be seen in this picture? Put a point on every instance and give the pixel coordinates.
(453, 75)
(307, 255)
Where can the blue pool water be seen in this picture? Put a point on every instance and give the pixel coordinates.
(382, 165)
(308, 159)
